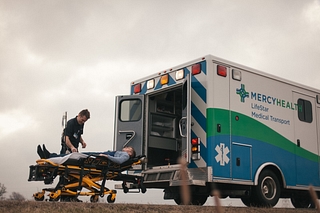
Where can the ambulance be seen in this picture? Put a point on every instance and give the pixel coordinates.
(246, 133)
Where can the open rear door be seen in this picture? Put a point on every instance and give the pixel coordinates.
(129, 119)
(185, 121)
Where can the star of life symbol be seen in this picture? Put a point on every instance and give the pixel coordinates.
(242, 92)
(222, 157)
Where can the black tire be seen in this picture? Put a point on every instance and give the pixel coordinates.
(267, 192)
(178, 200)
(110, 200)
(39, 198)
(199, 200)
(143, 188)
(54, 199)
(249, 201)
(94, 198)
(125, 190)
(302, 201)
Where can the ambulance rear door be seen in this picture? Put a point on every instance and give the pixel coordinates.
(129, 117)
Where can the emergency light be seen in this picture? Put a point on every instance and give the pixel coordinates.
(150, 84)
(196, 69)
(195, 148)
(137, 88)
(222, 71)
(164, 79)
(236, 75)
(179, 74)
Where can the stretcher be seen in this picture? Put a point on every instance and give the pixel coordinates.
(84, 176)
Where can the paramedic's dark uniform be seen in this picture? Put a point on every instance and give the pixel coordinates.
(74, 131)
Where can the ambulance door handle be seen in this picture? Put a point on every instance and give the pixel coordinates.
(131, 134)
(218, 127)
(298, 142)
(182, 121)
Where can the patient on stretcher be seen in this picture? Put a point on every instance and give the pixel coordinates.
(118, 157)
(85, 173)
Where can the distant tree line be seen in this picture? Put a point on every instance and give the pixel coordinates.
(13, 196)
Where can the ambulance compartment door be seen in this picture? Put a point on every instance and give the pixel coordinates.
(305, 134)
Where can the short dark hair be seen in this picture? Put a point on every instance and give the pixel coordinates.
(133, 152)
(85, 112)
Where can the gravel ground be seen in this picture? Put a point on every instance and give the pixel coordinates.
(64, 207)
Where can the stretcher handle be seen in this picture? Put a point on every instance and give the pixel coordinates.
(128, 131)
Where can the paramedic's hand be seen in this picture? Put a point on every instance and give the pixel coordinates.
(73, 149)
(84, 145)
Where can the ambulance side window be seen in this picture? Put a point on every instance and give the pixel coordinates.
(305, 110)
(130, 110)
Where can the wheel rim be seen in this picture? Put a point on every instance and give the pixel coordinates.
(268, 188)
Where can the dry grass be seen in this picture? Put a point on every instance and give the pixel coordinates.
(64, 207)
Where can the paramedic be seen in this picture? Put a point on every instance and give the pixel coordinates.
(72, 133)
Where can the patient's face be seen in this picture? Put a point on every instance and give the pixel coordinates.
(128, 150)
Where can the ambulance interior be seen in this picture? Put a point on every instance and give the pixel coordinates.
(164, 139)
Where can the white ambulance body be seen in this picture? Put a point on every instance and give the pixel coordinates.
(248, 134)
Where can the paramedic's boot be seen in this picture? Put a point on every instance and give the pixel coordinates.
(46, 152)
(40, 152)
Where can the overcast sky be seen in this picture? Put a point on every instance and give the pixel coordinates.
(58, 56)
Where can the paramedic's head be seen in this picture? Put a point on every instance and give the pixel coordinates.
(130, 151)
(83, 116)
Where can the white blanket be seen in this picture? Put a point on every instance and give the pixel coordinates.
(74, 155)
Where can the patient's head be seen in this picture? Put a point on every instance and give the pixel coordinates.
(130, 151)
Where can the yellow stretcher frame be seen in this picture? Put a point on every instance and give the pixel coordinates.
(86, 174)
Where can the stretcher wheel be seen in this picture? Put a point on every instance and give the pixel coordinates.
(143, 189)
(39, 198)
(94, 198)
(54, 199)
(111, 199)
(125, 188)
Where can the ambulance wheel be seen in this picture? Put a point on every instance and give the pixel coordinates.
(94, 198)
(267, 192)
(199, 200)
(249, 201)
(302, 201)
(177, 200)
(110, 199)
